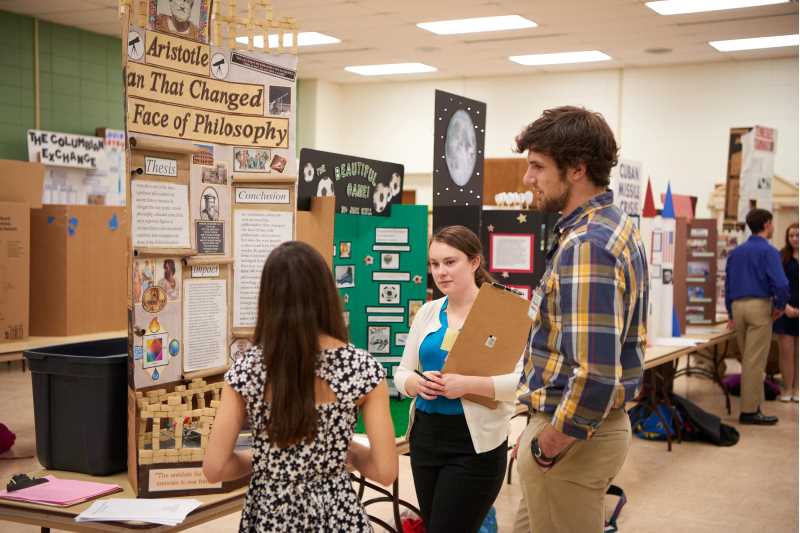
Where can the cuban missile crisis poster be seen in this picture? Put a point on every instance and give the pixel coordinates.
(361, 186)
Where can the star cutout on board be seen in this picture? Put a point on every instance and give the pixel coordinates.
(505, 275)
(490, 227)
(522, 218)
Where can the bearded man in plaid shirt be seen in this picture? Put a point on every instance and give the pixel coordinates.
(585, 354)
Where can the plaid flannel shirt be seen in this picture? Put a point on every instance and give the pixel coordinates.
(585, 353)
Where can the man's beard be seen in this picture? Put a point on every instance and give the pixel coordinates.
(553, 205)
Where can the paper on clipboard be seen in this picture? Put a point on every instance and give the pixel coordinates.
(492, 339)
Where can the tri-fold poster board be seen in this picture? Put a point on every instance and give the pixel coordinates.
(380, 264)
(211, 180)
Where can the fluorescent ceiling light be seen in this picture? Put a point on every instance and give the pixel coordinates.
(391, 68)
(680, 7)
(776, 41)
(304, 38)
(476, 25)
(560, 58)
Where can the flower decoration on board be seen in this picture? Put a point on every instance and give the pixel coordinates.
(417, 279)
(368, 260)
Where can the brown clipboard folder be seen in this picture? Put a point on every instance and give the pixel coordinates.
(492, 338)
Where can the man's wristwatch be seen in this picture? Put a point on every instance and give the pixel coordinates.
(539, 456)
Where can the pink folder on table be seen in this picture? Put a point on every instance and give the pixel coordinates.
(61, 492)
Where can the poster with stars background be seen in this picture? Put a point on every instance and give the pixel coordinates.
(515, 244)
(458, 151)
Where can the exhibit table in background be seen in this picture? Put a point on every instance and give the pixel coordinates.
(212, 506)
(12, 350)
(661, 366)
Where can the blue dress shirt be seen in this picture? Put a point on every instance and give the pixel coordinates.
(432, 357)
(754, 270)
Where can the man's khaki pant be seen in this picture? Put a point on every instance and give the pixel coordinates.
(753, 320)
(569, 498)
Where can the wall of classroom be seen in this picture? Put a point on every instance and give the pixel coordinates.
(80, 81)
(675, 119)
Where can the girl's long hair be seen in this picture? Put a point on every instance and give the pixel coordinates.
(787, 251)
(464, 240)
(297, 303)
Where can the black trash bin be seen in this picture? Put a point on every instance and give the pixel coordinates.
(80, 406)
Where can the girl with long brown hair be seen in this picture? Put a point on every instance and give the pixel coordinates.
(458, 447)
(301, 387)
(785, 327)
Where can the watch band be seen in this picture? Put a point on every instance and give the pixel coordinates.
(539, 456)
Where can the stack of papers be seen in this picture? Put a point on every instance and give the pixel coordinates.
(165, 511)
(61, 492)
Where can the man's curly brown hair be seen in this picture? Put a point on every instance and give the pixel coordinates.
(571, 136)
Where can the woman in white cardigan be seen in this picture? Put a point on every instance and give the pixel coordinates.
(458, 447)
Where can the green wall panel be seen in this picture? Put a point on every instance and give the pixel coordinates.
(80, 81)
(16, 84)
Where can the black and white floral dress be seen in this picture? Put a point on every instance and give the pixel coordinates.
(306, 487)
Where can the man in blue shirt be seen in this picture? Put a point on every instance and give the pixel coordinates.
(756, 292)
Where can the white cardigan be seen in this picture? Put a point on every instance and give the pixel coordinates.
(487, 427)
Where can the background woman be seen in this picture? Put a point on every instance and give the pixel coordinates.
(301, 387)
(458, 448)
(786, 326)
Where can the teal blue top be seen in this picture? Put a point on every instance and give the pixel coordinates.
(432, 357)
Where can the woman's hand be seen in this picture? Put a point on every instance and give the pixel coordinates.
(456, 385)
(427, 389)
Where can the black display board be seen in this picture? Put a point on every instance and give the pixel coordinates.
(361, 186)
(459, 133)
(515, 244)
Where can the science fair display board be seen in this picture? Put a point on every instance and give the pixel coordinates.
(515, 244)
(696, 272)
(211, 181)
(380, 264)
(458, 153)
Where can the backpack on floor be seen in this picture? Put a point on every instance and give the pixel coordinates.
(733, 383)
(647, 424)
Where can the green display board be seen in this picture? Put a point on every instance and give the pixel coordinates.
(380, 266)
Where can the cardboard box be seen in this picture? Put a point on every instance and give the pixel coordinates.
(78, 269)
(14, 270)
(21, 181)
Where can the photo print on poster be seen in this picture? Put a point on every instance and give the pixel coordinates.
(378, 339)
(246, 159)
(345, 276)
(184, 18)
(280, 100)
(389, 293)
(361, 186)
(459, 135)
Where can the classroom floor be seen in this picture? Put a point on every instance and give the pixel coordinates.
(750, 487)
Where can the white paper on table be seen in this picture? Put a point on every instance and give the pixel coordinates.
(681, 342)
(166, 511)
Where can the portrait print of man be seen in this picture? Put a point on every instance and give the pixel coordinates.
(180, 17)
(210, 210)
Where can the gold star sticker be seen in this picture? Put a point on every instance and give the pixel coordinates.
(522, 218)
(490, 227)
